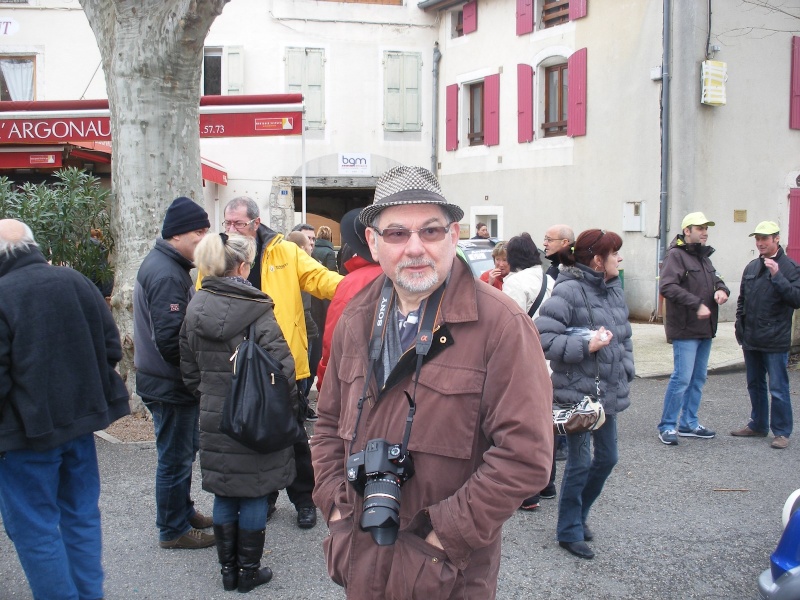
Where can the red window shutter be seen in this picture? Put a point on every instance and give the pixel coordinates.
(451, 118)
(793, 243)
(524, 103)
(524, 16)
(470, 17)
(577, 9)
(794, 107)
(576, 90)
(491, 110)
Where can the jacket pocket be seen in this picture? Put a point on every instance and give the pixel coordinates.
(351, 378)
(452, 391)
(336, 548)
(419, 571)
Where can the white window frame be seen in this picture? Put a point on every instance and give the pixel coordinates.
(547, 58)
(231, 69)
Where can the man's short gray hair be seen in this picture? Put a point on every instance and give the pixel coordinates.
(248, 203)
(14, 246)
(303, 227)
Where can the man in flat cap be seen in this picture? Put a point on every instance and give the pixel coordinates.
(418, 395)
(769, 294)
(693, 292)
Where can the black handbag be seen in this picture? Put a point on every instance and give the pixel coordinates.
(258, 412)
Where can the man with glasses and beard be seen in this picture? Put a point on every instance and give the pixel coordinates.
(435, 379)
(282, 270)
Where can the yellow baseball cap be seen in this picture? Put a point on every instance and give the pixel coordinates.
(695, 218)
(766, 228)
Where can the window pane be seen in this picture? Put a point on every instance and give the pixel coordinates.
(552, 95)
(477, 107)
(16, 78)
(212, 75)
(564, 80)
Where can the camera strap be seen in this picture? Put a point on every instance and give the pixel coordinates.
(423, 345)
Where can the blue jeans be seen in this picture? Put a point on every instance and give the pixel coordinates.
(685, 388)
(48, 501)
(177, 441)
(249, 513)
(759, 366)
(584, 477)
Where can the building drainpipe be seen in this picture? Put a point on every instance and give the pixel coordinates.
(665, 138)
(437, 56)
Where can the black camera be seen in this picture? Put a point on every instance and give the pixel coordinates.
(377, 473)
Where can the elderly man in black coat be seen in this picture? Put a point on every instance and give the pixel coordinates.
(58, 349)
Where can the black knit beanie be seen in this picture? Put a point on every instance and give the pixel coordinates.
(184, 215)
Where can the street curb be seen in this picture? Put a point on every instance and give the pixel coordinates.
(113, 440)
(723, 367)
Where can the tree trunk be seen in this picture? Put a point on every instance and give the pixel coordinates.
(152, 53)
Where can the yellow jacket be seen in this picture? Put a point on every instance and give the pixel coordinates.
(286, 270)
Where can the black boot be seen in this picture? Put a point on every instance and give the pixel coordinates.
(226, 537)
(251, 547)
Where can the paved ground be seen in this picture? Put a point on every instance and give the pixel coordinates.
(694, 521)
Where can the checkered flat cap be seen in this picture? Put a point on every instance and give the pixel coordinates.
(407, 185)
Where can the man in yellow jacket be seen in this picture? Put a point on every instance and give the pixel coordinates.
(283, 270)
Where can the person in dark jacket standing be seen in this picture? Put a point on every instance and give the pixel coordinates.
(217, 319)
(693, 293)
(769, 293)
(58, 349)
(323, 248)
(161, 293)
(586, 336)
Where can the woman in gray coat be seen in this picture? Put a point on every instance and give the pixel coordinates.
(585, 330)
(217, 319)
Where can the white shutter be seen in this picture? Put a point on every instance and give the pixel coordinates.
(315, 88)
(393, 91)
(401, 99)
(412, 76)
(305, 74)
(233, 70)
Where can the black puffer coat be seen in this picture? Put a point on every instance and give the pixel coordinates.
(216, 321)
(573, 366)
(766, 303)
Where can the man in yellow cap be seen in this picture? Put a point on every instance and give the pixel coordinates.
(769, 294)
(693, 291)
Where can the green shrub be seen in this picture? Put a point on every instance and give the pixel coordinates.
(62, 216)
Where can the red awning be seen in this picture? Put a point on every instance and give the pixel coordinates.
(46, 157)
(213, 172)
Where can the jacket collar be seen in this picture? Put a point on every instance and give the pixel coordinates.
(165, 247)
(697, 249)
(266, 237)
(21, 259)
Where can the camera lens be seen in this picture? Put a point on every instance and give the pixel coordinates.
(381, 509)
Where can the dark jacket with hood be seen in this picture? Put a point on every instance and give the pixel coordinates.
(325, 254)
(58, 350)
(216, 321)
(574, 367)
(766, 303)
(161, 294)
(688, 279)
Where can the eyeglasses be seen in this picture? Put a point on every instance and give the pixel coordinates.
(549, 239)
(237, 224)
(401, 235)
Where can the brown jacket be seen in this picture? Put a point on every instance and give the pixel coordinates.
(481, 440)
(688, 279)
